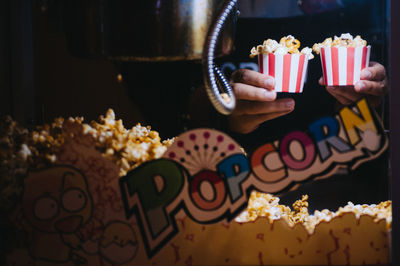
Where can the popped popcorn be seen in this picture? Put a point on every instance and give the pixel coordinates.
(345, 40)
(288, 44)
(127, 148)
(21, 150)
(381, 211)
(14, 156)
(267, 205)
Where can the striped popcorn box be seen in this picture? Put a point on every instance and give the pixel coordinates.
(342, 66)
(289, 70)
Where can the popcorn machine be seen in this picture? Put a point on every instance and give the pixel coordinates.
(158, 31)
(155, 31)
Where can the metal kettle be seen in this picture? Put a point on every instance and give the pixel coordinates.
(155, 30)
(150, 30)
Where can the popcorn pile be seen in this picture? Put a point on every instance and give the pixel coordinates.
(381, 211)
(21, 150)
(266, 205)
(46, 140)
(127, 148)
(286, 45)
(345, 40)
(13, 161)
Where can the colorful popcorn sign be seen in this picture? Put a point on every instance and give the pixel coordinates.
(205, 173)
(176, 210)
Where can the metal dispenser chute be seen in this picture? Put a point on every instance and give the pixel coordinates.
(214, 79)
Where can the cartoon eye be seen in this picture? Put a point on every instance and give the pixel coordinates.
(74, 199)
(45, 208)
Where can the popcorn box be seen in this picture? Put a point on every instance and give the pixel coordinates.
(265, 242)
(180, 209)
(289, 70)
(342, 66)
(95, 226)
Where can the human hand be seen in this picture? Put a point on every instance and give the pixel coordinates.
(373, 85)
(255, 101)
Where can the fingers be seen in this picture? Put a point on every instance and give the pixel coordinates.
(248, 123)
(321, 81)
(377, 88)
(251, 93)
(248, 115)
(253, 78)
(256, 100)
(375, 72)
(348, 95)
(345, 95)
(255, 108)
(373, 83)
(340, 98)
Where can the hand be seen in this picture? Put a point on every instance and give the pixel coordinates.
(373, 85)
(255, 101)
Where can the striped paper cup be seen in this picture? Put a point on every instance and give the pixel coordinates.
(289, 70)
(342, 66)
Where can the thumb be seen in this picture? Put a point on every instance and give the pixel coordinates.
(321, 81)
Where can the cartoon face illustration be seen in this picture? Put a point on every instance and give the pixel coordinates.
(56, 200)
(118, 244)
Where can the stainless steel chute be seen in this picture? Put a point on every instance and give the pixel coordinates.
(214, 80)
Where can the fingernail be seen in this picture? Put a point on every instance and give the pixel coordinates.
(269, 95)
(359, 86)
(289, 104)
(269, 82)
(365, 74)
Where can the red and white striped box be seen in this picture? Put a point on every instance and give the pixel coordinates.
(342, 66)
(289, 70)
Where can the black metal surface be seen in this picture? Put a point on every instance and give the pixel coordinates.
(5, 86)
(16, 55)
(395, 128)
(23, 95)
(152, 30)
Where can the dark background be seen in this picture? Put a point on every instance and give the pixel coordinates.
(40, 80)
(395, 127)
